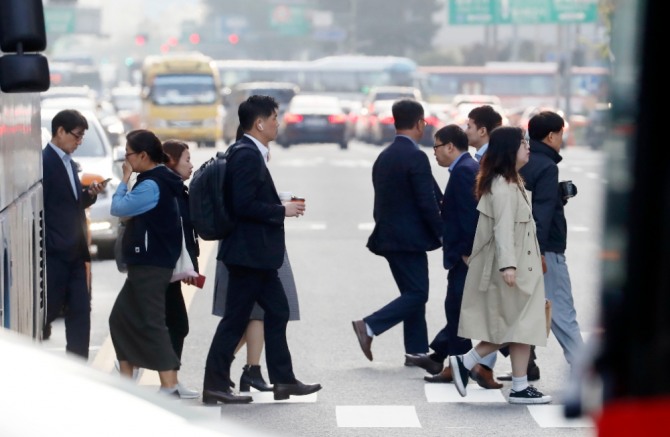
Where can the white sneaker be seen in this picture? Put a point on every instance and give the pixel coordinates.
(186, 393)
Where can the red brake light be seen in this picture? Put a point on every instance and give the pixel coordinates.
(293, 118)
(432, 120)
(337, 118)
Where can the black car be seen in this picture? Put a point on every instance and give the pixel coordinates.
(596, 125)
(314, 119)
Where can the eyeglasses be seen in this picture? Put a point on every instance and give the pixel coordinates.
(131, 153)
(436, 146)
(78, 136)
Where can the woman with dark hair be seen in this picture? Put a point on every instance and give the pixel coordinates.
(152, 245)
(503, 299)
(176, 315)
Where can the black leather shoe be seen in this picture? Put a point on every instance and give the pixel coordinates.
(211, 397)
(533, 375)
(251, 377)
(425, 362)
(284, 391)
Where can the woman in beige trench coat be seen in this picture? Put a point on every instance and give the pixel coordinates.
(503, 298)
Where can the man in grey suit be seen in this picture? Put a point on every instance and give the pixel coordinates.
(252, 254)
(407, 225)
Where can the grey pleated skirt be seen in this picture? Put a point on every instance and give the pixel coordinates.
(285, 273)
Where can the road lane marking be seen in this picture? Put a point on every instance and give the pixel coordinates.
(551, 416)
(447, 393)
(377, 416)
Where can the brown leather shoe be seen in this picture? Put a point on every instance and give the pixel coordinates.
(363, 338)
(444, 376)
(484, 377)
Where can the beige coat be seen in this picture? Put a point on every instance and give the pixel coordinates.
(505, 237)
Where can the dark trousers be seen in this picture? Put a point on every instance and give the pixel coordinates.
(245, 287)
(410, 271)
(66, 286)
(176, 317)
(447, 342)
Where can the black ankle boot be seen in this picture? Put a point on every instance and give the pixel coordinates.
(252, 377)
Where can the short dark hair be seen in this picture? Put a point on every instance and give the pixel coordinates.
(542, 124)
(485, 116)
(406, 113)
(142, 140)
(453, 133)
(69, 120)
(252, 108)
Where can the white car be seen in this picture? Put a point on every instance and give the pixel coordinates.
(95, 156)
(46, 393)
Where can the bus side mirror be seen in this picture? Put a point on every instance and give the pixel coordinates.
(24, 73)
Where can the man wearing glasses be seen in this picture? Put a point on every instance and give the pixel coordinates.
(65, 231)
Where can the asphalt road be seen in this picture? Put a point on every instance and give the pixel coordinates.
(338, 281)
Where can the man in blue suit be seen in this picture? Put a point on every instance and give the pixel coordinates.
(253, 253)
(460, 216)
(407, 225)
(66, 232)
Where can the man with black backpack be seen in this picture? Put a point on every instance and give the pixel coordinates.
(253, 252)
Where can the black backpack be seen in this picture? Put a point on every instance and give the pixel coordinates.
(207, 205)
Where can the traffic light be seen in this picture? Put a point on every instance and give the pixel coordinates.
(140, 39)
(194, 38)
(233, 38)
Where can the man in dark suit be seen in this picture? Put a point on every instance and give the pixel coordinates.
(460, 216)
(66, 232)
(407, 225)
(253, 253)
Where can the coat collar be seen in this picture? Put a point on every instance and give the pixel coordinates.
(544, 149)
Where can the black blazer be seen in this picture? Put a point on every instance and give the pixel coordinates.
(459, 211)
(258, 239)
(406, 211)
(65, 228)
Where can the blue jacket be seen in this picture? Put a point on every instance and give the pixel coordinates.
(406, 210)
(154, 237)
(541, 179)
(459, 211)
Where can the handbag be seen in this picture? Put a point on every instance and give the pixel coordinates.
(184, 267)
(547, 313)
(118, 248)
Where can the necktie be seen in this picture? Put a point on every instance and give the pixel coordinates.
(67, 160)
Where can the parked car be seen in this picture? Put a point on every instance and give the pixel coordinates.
(95, 156)
(530, 111)
(282, 92)
(314, 119)
(127, 103)
(597, 124)
(462, 104)
(382, 127)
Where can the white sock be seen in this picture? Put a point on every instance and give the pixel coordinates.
(471, 358)
(520, 383)
(369, 331)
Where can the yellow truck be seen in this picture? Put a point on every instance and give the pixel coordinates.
(181, 98)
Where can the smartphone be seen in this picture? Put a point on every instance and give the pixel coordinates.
(105, 181)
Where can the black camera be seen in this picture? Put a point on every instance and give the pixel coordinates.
(568, 189)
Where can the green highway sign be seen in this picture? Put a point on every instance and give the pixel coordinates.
(463, 12)
(59, 19)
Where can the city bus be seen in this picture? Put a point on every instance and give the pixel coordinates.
(347, 76)
(518, 84)
(181, 98)
(22, 78)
